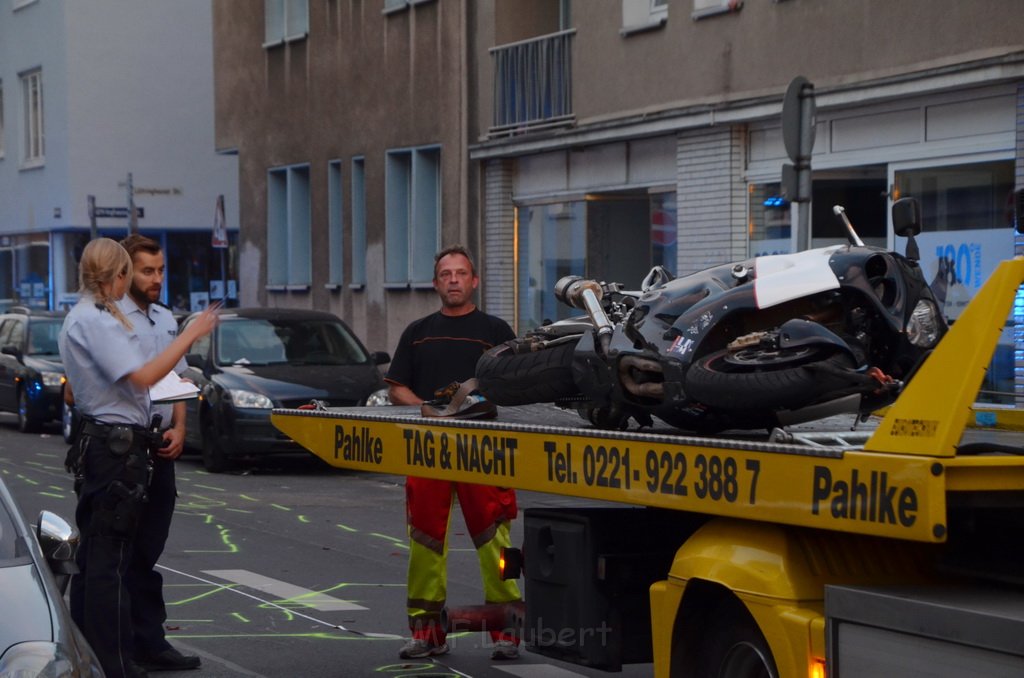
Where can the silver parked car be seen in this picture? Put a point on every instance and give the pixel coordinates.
(37, 636)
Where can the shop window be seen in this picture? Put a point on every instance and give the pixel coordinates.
(967, 229)
(769, 225)
(613, 237)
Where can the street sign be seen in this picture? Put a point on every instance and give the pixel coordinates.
(117, 212)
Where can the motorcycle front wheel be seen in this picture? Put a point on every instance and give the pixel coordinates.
(510, 378)
(762, 379)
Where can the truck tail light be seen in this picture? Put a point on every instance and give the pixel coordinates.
(510, 563)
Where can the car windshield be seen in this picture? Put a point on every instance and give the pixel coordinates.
(259, 341)
(42, 336)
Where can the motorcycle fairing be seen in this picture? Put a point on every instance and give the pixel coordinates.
(783, 277)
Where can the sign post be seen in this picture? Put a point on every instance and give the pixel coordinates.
(133, 217)
(798, 123)
(220, 240)
(90, 201)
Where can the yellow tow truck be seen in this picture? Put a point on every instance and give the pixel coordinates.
(892, 549)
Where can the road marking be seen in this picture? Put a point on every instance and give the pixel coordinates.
(285, 591)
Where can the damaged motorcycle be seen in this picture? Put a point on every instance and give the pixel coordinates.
(765, 342)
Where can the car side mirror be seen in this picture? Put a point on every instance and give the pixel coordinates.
(381, 358)
(59, 542)
(906, 222)
(195, 360)
(12, 350)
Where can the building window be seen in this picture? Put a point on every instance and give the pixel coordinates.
(285, 20)
(412, 215)
(703, 8)
(1, 118)
(335, 228)
(33, 145)
(288, 228)
(358, 262)
(643, 15)
(391, 6)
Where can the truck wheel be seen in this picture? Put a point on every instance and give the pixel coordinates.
(735, 646)
(758, 379)
(27, 422)
(510, 378)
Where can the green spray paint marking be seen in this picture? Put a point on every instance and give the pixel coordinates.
(239, 617)
(400, 543)
(283, 508)
(346, 528)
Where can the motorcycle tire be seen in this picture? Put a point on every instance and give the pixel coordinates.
(509, 378)
(770, 385)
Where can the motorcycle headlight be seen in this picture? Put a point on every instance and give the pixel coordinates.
(378, 398)
(248, 399)
(923, 326)
(52, 378)
(37, 658)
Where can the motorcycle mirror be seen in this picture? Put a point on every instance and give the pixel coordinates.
(906, 222)
(1018, 209)
(906, 217)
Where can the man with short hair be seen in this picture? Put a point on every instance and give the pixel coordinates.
(432, 353)
(156, 329)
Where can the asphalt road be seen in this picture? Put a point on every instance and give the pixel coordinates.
(291, 568)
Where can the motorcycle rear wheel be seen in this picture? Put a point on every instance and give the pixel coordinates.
(510, 378)
(769, 380)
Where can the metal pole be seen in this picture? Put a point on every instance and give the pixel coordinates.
(133, 219)
(91, 202)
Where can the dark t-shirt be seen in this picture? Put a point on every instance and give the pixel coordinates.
(436, 350)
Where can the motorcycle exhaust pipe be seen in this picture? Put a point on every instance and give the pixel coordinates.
(586, 295)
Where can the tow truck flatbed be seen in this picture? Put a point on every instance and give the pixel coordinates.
(782, 517)
(824, 478)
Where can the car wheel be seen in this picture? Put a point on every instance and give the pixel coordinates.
(27, 423)
(215, 459)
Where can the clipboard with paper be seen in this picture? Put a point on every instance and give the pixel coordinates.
(171, 388)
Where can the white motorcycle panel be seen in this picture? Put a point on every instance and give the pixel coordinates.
(783, 277)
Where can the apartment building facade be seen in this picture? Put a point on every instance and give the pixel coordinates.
(618, 134)
(349, 118)
(601, 137)
(91, 93)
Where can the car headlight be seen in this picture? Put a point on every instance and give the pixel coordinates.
(249, 399)
(923, 326)
(37, 658)
(378, 398)
(52, 378)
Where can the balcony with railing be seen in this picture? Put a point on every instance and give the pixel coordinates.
(533, 84)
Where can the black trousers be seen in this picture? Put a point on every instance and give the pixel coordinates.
(145, 584)
(109, 511)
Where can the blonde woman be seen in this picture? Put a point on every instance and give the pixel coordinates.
(104, 361)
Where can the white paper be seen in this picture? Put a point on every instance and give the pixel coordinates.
(172, 388)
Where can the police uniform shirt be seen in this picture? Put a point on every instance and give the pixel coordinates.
(156, 330)
(98, 352)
